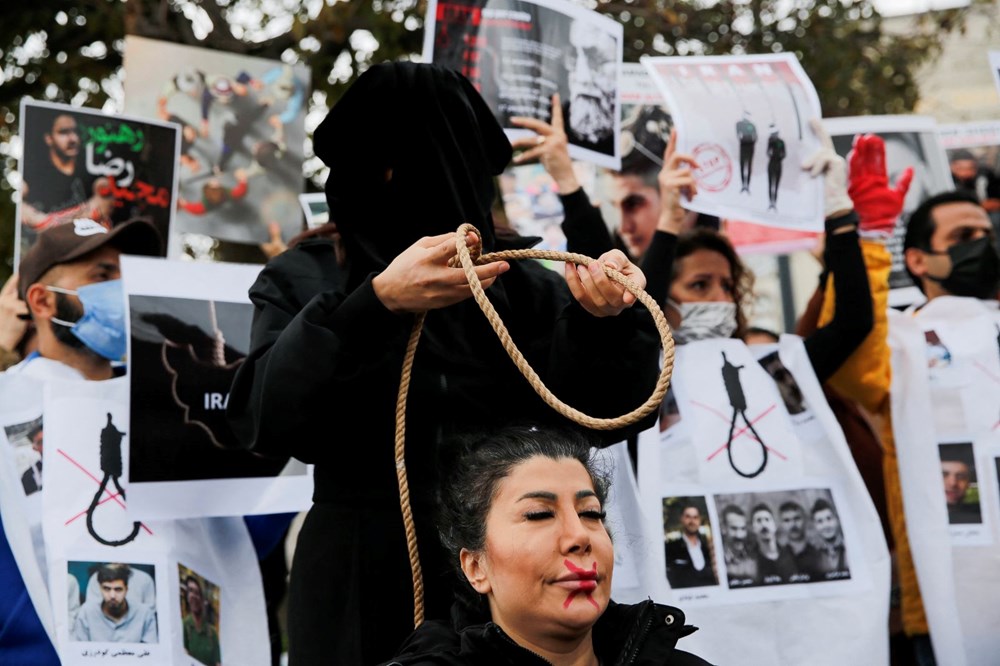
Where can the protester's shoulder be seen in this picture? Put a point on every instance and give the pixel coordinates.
(434, 643)
(299, 273)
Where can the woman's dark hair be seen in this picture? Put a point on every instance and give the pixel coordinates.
(708, 239)
(472, 480)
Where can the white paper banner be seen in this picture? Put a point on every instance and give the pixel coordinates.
(754, 549)
(189, 331)
(945, 406)
(120, 603)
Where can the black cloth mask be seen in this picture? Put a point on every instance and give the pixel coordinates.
(975, 269)
(442, 144)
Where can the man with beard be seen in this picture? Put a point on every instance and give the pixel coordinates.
(958, 473)
(741, 566)
(115, 620)
(200, 638)
(592, 68)
(58, 185)
(828, 558)
(775, 563)
(973, 178)
(689, 559)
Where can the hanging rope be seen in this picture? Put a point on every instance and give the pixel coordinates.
(469, 259)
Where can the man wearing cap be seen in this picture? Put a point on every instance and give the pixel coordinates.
(81, 327)
(70, 282)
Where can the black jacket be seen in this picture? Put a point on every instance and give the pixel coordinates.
(644, 634)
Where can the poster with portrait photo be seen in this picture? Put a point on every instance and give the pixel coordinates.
(200, 601)
(974, 158)
(910, 141)
(688, 543)
(961, 489)
(518, 53)
(782, 537)
(242, 122)
(745, 119)
(189, 331)
(81, 163)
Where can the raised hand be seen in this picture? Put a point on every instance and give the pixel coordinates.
(675, 180)
(550, 147)
(877, 204)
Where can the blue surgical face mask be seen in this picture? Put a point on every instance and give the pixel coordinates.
(102, 326)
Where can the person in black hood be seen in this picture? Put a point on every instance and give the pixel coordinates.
(412, 151)
(522, 517)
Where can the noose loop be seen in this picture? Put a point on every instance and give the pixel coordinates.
(468, 259)
(738, 401)
(111, 466)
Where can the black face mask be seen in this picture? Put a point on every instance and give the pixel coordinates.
(975, 269)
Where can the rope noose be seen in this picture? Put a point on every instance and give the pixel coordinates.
(111, 465)
(468, 260)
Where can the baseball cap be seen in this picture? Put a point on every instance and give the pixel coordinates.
(67, 242)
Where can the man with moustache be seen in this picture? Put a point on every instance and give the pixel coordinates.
(828, 558)
(741, 566)
(592, 68)
(115, 620)
(775, 563)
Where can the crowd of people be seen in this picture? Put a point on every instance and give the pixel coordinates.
(508, 505)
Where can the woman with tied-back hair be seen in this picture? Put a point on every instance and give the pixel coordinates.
(413, 151)
(522, 519)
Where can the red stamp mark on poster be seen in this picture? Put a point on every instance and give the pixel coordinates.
(715, 169)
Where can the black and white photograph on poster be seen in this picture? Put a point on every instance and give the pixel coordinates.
(83, 164)
(189, 331)
(670, 414)
(243, 125)
(201, 601)
(789, 389)
(688, 543)
(112, 602)
(745, 120)
(781, 538)
(974, 158)
(518, 53)
(960, 482)
(25, 439)
(910, 141)
(315, 208)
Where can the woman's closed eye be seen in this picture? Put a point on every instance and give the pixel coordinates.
(594, 514)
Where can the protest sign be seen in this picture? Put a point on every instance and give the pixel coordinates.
(315, 208)
(81, 163)
(910, 141)
(749, 466)
(518, 53)
(242, 126)
(189, 332)
(745, 119)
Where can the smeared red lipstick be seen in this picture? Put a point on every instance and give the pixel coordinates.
(586, 582)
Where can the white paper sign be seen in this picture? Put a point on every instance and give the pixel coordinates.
(113, 580)
(745, 119)
(945, 405)
(755, 547)
(189, 331)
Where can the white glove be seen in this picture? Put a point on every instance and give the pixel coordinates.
(827, 162)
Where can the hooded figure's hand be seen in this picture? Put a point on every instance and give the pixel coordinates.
(420, 278)
(596, 292)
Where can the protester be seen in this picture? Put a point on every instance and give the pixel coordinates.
(522, 518)
(327, 348)
(14, 324)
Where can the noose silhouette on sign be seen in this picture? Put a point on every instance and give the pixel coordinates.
(738, 401)
(111, 466)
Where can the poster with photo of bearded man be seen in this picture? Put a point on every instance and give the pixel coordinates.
(518, 53)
